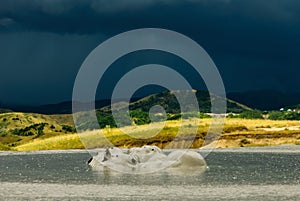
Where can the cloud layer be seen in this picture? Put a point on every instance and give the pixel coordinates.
(102, 15)
(254, 43)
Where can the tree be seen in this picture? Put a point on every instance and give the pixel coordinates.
(277, 115)
(251, 114)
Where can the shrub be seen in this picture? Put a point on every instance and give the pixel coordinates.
(203, 115)
(103, 119)
(174, 116)
(231, 115)
(140, 117)
(4, 147)
(245, 141)
(291, 116)
(251, 114)
(30, 130)
(277, 115)
(3, 133)
(67, 128)
(40, 129)
(22, 132)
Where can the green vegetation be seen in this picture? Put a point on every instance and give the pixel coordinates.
(35, 129)
(251, 114)
(139, 110)
(244, 126)
(288, 115)
(169, 102)
(138, 117)
(4, 147)
(236, 133)
(244, 142)
(20, 128)
(68, 128)
(272, 115)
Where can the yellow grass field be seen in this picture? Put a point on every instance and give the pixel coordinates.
(236, 133)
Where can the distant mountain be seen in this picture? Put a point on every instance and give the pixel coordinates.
(3, 110)
(165, 99)
(265, 100)
(59, 108)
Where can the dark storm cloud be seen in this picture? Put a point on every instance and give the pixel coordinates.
(102, 15)
(41, 67)
(259, 39)
(221, 23)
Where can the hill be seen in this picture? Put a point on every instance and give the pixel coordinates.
(262, 100)
(236, 133)
(144, 103)
(18, 128)
(3, 110)
(168, 100)
(139, 110)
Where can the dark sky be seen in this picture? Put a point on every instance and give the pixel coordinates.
(255, 44)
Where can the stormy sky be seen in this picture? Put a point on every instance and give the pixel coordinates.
(255, 44)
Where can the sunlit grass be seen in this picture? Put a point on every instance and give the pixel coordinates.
(4, 147)
(254, 132)
(70, 141)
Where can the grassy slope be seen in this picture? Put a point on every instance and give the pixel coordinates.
(11, 121)
(16, 120)
(168, 100)
(236, 133)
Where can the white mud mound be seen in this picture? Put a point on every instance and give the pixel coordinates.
(148, 159)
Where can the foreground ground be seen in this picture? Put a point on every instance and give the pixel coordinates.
(235, 133)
